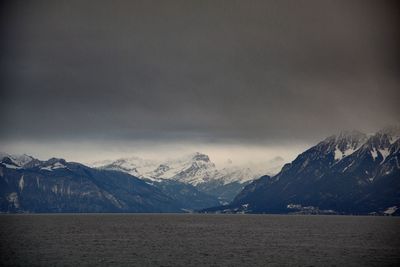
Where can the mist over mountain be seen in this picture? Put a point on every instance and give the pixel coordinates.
(81, 85)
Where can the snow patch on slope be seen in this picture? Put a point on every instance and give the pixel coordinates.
(11, 166)
(374, 153)
(390, 210)
(346, 143)
(339, 155)
(384, 152)
(54, 166)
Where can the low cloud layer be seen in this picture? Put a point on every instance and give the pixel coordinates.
(259, 72)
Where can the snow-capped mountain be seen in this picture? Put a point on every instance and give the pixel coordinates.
(55, 185)
(18, 161)
(192, 169)
(135, 166)
(345, 144)
(195, 169)
(378, 151)
(347, 173)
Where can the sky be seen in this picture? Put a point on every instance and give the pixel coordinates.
(244, 80)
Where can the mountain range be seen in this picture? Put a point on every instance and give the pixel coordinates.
(349, 173)
(195, 169)
(30, 185)
(186, 184)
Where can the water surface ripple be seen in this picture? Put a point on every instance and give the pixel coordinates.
(194, 240)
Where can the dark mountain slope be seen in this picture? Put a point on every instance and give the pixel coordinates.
(59, 186)
(348, 173)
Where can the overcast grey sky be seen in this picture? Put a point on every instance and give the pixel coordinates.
(247, 73)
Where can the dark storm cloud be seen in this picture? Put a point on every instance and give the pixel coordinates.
(207, 70)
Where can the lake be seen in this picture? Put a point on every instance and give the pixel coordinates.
(198, 239)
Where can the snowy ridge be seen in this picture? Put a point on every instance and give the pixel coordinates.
(16, 161)
(54, 164)
(346, 143)
(194, 169)
(378, 149)
(25, 161)
(133, 165)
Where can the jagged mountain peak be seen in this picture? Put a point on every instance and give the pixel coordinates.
(345, 138)
(347, 143)
(350, 135)
(392, 133)
(192, 157)
(17, 160)
(55, 160)
(25, 162)
(378, 146)
(53, 164)
(342, 152)
(336, 147)
(378, 140)
(194, 168)
(197, 156)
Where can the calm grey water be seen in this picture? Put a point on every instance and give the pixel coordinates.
(193, 240)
